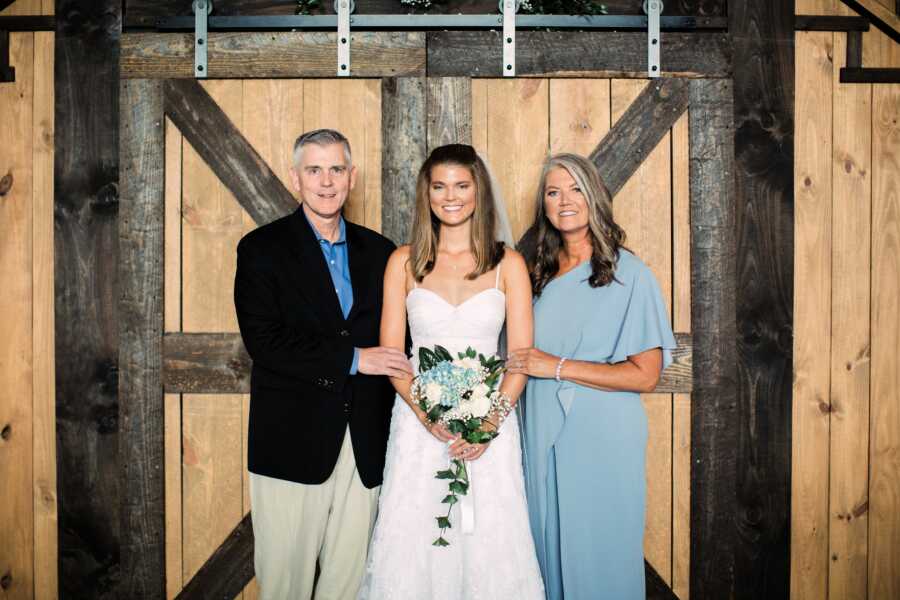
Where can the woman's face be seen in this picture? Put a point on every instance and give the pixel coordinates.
(564, 202)
(452, 194)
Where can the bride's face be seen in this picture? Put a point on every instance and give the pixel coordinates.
(564, 202)
(452, 194)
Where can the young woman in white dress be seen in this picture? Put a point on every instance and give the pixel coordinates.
(456, 284)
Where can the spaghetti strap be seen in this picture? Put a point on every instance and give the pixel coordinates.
(497, 280)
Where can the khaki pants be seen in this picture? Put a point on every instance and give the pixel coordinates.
(296, 524)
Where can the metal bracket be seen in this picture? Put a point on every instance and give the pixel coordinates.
(653, 8)
(509, 9)
(343, 8)
(202, 8)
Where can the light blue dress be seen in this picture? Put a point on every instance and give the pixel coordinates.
(584, 448)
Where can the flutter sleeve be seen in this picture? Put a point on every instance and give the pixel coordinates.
(646, 322)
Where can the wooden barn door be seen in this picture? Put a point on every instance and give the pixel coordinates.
(193, 185)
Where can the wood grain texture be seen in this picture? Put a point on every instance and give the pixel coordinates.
(642, 209)
(217, 363)
(851, 214)
(579, 114)
(518, 138)
(16, 330)
(763, 34)
(233, 160)
(144, 13)
(681, 321)
(448, 105)
(86, 292)
(882, 17)
(213, 223)
(812, 316)
(46, 553)
(884, 485)
(141, 274)
(403, 129)
(255, 55)
(714, 414)
(228, 570)
(649, 117)
(577, 54)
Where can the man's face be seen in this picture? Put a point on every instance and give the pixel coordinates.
(323, 179)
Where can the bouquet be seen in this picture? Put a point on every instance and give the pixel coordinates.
(459, 393)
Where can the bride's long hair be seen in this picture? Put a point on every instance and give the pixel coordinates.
(488, 252)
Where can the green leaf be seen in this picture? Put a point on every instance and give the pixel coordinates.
(480, 437)
(440, 542)
(448, 474)
(442, 354)
(473, 424)
(457, 426)
(423, 405)
(444, 523)
(426, 359)
(461, 473)
(450, 499)
(470, 352)
(459, 487)
(435, 413)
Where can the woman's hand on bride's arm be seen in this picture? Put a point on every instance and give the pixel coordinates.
(532, 362)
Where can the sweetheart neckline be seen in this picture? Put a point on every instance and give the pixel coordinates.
(456, 306)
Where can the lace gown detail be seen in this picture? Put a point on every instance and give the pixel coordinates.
(497, 561)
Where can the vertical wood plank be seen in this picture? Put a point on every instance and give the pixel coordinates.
(213, 223)
(449, 110)
(681, 321)
(172, 322)
(480, 115)
(403, 126)
(579, 114)
(850, 255)
(45, 519)
(714, 416)
(517, 143)
(90, 427)
(884, 485)
(271, 122)
(371, 91)
(141, 245)
(16, 352)
(812, 315)
(643, 208)
(340, 104)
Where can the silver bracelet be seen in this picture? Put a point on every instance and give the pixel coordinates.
(559, 368)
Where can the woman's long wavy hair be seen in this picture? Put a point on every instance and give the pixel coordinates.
(426, 226)
(607, 238)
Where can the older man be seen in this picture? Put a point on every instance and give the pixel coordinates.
(308, 293)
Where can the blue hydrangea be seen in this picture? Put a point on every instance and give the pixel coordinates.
(453, 380)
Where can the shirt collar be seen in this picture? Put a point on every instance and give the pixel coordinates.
(342, 231)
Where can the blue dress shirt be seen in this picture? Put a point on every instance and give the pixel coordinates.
(339, 267)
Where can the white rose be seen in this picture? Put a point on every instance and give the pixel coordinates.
(433, 392)
(480, 390)
(468, 363)
(479, 406)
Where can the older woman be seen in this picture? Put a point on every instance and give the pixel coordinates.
(601, 337)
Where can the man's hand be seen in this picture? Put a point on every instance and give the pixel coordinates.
(382, 360)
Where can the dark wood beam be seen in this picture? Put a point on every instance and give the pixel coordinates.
(449, 108)
(228, 570)
(86, 282)
(656, 587)
(230, 156)
(854, 49)
(144, 13)
(217, 363)
(577, 54)
(27, 23)
(714, 411)
(142, 427)
(830, 23)
(403, 118)
(5, 3)
(647, 120)
(881, 16)
(7, 72)
(870, 75)
(251, 55)
(763, 34)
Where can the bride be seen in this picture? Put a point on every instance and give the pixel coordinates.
(456, 284)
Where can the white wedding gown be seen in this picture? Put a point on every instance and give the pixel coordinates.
(496, 560)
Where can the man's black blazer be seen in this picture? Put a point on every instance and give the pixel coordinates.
(302, 395)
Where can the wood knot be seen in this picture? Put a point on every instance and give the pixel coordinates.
(6, 581)
(807, 182)
(6, 432)
(824, 408)
(6, 184)
(861, 509)
(848, 166)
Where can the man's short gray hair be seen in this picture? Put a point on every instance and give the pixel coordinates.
(321, 137)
